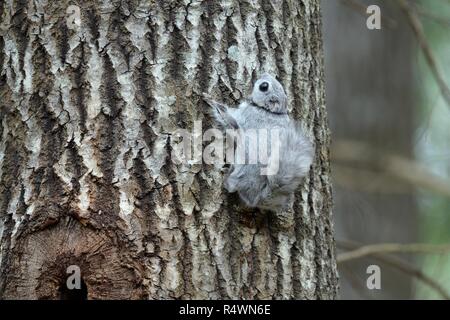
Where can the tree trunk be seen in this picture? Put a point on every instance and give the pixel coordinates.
(87, 178)
(370, 94)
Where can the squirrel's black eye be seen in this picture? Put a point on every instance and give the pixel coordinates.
(264, 86)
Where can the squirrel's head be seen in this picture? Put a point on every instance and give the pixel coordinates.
(269, 94)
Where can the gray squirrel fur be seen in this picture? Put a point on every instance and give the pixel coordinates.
(266, 108)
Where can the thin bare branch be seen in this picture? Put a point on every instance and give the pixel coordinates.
(392, 248)
(402, 266)
(417, 27)
(360, 179)
(401, 168)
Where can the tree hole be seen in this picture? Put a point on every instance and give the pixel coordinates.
(66, 293)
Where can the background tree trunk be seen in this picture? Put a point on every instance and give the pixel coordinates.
(370, 87)
(86, 173)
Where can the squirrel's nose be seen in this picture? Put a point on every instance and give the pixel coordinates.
(264, 86)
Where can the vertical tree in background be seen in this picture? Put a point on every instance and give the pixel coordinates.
(88, 114)
(370, 93)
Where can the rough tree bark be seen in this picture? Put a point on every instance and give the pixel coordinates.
(87, 116)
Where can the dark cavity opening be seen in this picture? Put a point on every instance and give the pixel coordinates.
(65, 293)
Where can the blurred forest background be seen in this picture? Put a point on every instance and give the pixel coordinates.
(389, 110)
